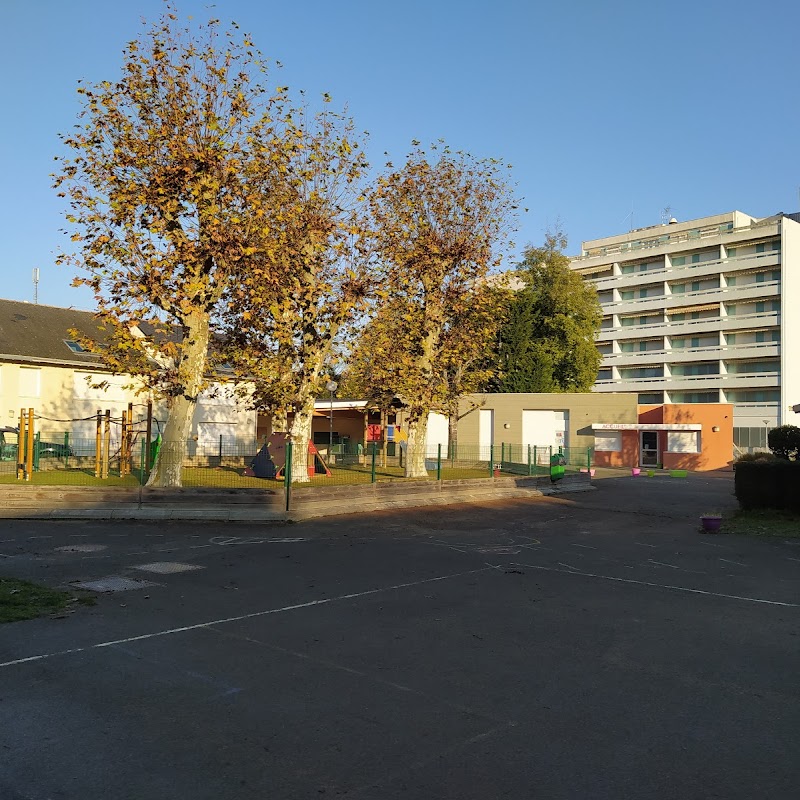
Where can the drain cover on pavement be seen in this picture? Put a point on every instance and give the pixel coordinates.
(81, 548)
(166, 567)
(113, 583)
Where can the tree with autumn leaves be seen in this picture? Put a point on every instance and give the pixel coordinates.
(282, 345)
(216, 222)
(439, 227)
(182, 188)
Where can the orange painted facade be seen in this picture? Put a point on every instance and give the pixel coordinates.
(716, 437)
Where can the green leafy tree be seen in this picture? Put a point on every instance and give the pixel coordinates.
(547, 342)
(175, 183)
(784, 441)
(439, 223)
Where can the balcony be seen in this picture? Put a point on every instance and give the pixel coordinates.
(702, 269)
(689, 383)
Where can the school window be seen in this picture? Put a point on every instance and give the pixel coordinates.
(678, 317)
(760, 336)
(678, 261)
(678, 343)
(74, 347)
(695, 315)
(731, 338)
(760, 248)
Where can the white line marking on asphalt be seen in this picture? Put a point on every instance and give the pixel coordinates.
(711, 544)
(655, 585)
(198, 546)
(562, 564)
(642, 544)
(792, 559)
(738, 563)
(587, 546)
(252, 615)
(662, 564)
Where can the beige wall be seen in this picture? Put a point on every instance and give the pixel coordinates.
(584, 409)
(61, 397)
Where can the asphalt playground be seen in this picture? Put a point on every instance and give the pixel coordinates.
(593, 645)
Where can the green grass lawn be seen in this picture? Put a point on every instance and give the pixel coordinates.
(232, 477)
(23, 600)
(766, 523)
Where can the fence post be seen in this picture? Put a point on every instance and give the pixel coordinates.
(98, 446)
(66, 450)
(529, 461)
(589, 459)
(491, 460)
(502, 454)
(29, 450)
(143, 470)
(287, 475)
(374, 454)
(550, 460)
(439, 463)
(220, 449)
(36, 450)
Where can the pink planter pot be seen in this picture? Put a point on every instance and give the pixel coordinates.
(635, 471)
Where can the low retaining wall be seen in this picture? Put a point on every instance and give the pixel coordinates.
(91, 502)
(322, 501)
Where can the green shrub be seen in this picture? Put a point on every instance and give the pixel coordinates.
(784, 441)
(768, 484)
(762, 456)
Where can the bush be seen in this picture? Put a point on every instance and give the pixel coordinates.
(768, 484)
(784, 442)
(747, 457)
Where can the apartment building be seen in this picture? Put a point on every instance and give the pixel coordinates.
(704, 311)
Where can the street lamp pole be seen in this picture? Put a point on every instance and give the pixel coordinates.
(331, 387)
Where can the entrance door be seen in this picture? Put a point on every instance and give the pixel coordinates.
(648, 451)
(485, 432)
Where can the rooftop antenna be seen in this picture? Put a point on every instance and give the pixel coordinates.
(36, 285)
(666, 215)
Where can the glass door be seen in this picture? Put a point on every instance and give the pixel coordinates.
(648, 451)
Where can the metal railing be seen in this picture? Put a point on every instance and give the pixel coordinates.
(61, 460)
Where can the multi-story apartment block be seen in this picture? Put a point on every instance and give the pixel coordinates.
(705, 311)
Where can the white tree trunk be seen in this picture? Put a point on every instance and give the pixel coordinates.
(417, 445)
(168, 467)
(300, 432)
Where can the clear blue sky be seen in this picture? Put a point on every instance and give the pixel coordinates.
(602, 108)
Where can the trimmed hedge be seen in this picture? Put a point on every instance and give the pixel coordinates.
(768, 484)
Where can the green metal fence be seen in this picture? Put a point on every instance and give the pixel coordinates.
(60, 459)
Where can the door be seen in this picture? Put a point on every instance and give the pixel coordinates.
(538, 431)
(648, 451)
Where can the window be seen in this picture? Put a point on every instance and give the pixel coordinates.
(776, 336)
(776, 305)
(678, 343)
(695, 258)
(695, 286)
(761, 336)
(30, 382)
(627, 269)
(74, 347)
(608, 441)
(761, 277)
(679, 288)
(731, 338)
(776, 275)
(642, 346)
(694, 315)
(731, 281)
(695, 342)
(678, 261)
(759, 308)
(651, 398)
(626, 295)
(760, 247)
(678, 317)
(683, 441)
(731, 252)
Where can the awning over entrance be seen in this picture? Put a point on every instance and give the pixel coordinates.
(643, 426)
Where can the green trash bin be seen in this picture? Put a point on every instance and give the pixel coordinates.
(557, 466)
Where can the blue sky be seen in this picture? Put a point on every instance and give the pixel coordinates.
(601, 108)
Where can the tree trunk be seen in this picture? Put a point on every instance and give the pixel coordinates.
(417, 445)
(168, 467)
(452, 431)
(300, 433)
